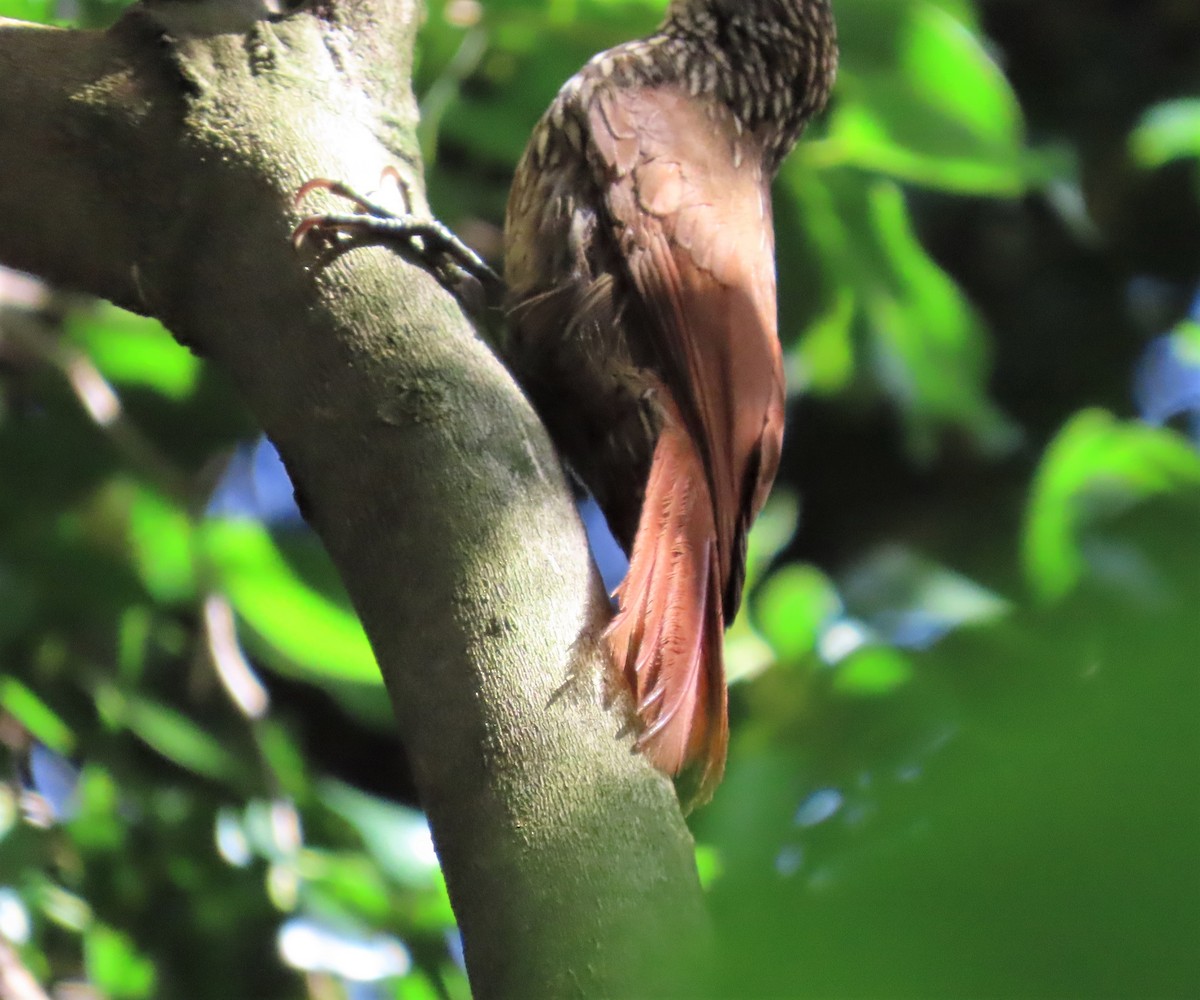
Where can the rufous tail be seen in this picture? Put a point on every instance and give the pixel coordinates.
(667, 633)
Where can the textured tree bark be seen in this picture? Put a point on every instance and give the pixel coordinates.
(157, 163)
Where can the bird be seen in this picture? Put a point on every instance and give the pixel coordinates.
(641, 314)
(640, 297)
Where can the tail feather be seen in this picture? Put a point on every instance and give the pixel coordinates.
(667, 633)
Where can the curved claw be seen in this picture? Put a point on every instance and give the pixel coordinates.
(333, 187)
(424, 238)
(328, 222)
(305, 226)
(391, 173)
(319, 224)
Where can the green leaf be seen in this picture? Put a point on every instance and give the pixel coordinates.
(872, 671)
(931, 348)
(169, 732)
(1168, 131)
(962, 11)
(1096, 467)
(41, 11)
(916, 333)
(283, 756)
(921, 99)
(312, 632)
(347, 882)
(824, 362)
(35, 715)
(1186, 340)
(417, 986)
(708, 864)
(746, 653)
(432, 912)
(134, 350)
(774, 527)
(397, 837)
(792, 609)
(160, 532)
(114, 964)
(64, 908)
(98, 825)
(133, 638)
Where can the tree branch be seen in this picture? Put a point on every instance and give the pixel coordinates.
(158, 163)
(16, 981)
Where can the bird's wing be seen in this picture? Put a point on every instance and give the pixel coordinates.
(690, 216)
(691, 212)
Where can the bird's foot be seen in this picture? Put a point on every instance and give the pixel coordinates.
(421, 239)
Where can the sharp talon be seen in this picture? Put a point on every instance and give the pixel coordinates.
(426, 240)
(390, 173)
(335, 188)
(323, 225)
(307, 188)
(300, 233)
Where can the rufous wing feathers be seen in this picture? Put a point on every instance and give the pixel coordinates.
(690, 212)
(668, 631)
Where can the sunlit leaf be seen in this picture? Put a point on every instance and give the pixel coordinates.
(417, 986)
(824, 362)
(114, 964)
(872, 671)
(1187, 340)
(793, 607)
(349, 882)
(41, 11)
(97, 823)
(35, 715)
(1096, 467)
(962, 11)
(772, 530)
(746, 652)
(708, 864)
(432, 911)
(915, 332)
(932, 351)
(314, 634)
(920, 98)
(65, 908)
(1168, 131)
(161, 533)
(397, 837)
(285, 759)
(134, 350)
(169, 732)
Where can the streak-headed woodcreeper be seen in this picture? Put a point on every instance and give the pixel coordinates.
(639, 260)
(639, 263)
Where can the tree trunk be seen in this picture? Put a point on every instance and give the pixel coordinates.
(157, 166)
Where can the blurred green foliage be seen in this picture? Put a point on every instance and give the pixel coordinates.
(965, 737)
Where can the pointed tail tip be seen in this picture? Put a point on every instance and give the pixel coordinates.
(673, 663)
(697, 773)
(667, 637)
